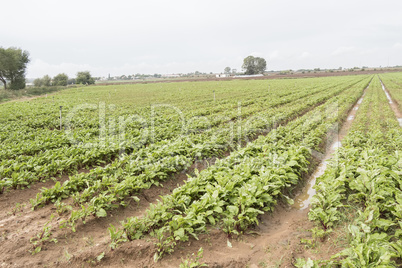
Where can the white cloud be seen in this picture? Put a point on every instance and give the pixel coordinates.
(274, 55)
(305, 55)
(256, 54)
(369, 51)
(397, 46)
(175, 36)
(343, 50)
(38, 68)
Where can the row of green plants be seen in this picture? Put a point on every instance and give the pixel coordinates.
(29, 167)
(364, 176)
(25, 169)
(27, 136)
(106, 188)
(394, 85)
(232, 193)
(15, 129)
(45, 111)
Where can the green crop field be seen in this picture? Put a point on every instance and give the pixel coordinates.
(145, 174)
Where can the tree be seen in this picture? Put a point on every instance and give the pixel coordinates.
(37, 82)
(84, 78)
(60, 80)
(13, 64)
(45, 81)
(227, 70)
(254, 65)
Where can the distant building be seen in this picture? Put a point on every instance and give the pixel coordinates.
(222, 75)
(249, 75)
(171, 75)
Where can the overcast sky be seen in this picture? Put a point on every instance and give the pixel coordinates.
(127, 37)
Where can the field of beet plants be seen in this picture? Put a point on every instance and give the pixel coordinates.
(187, 174)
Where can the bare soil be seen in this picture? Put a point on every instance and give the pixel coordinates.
(25, 98)
(275, 242)
(19, 223)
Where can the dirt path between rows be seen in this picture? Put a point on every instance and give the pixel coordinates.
(24, 98)
(21, 99)
(19, 223)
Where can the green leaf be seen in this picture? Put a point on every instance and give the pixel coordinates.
(233, 210)
(100, 256)
(211, 220)
(179, 234)
(218, 209)
(101, 213)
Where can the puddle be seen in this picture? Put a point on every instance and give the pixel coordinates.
(386, 93)
(303, 199)
(393, 105)
(336, 145)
